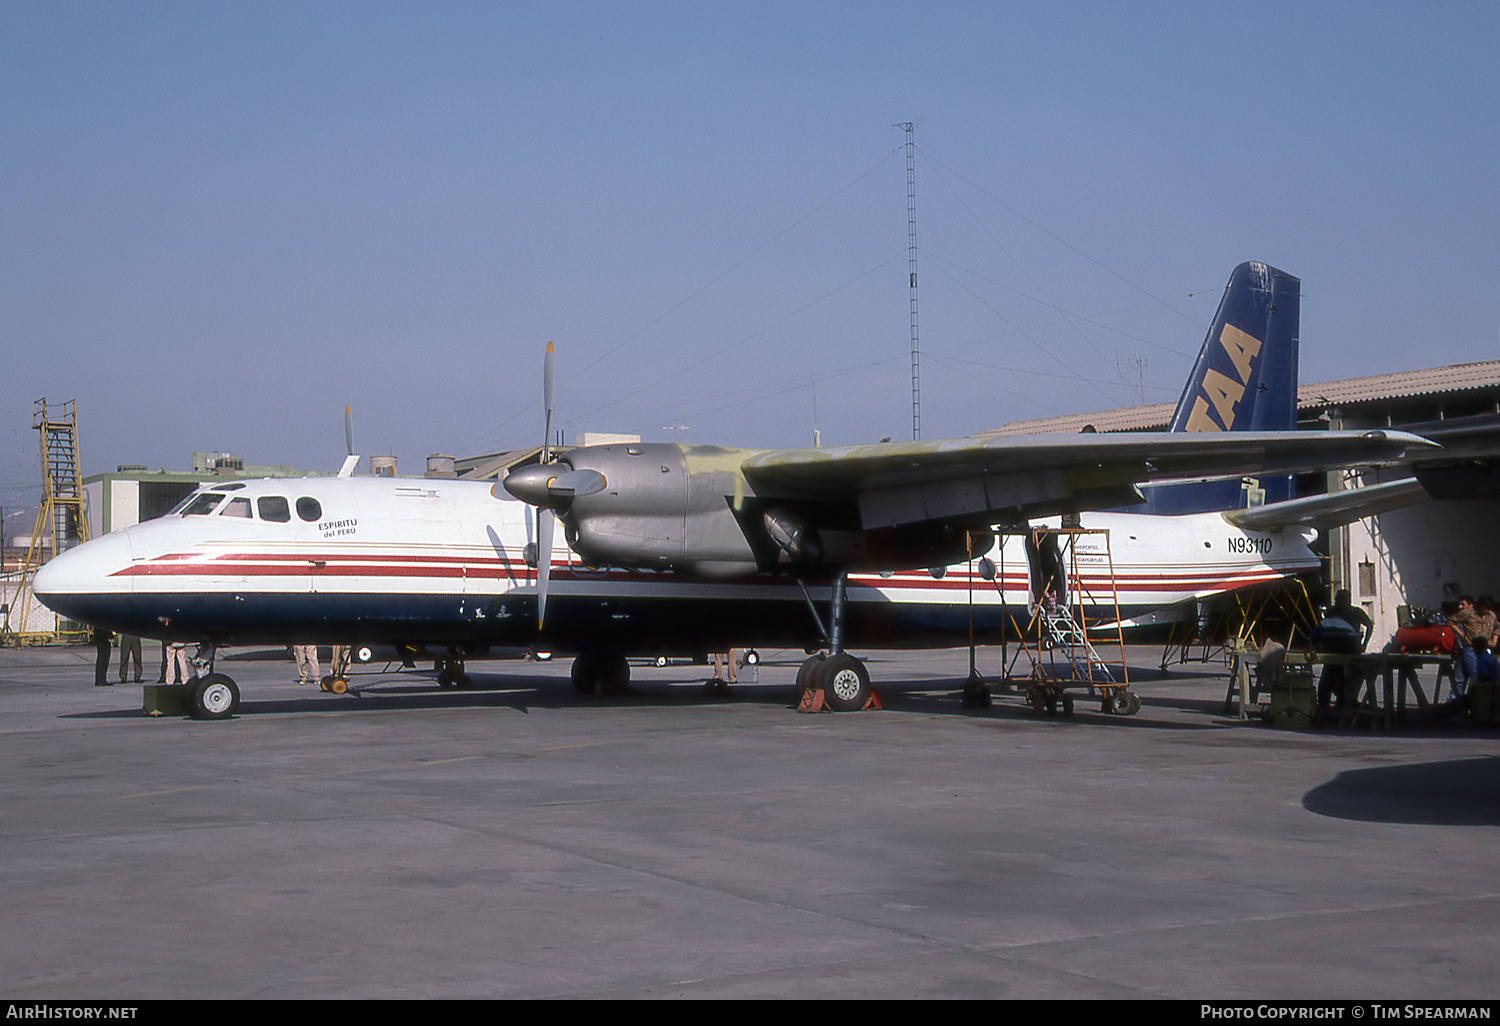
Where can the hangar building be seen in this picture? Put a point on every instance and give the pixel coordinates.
(1426, 554)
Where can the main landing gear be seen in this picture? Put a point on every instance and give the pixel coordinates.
(451, 674)
(600, 673)
(843, 679)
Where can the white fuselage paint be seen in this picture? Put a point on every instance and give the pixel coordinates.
(443, 560)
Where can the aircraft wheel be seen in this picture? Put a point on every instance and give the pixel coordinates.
(583, 673)
(594, 673)
(846, 683)
(214, 697)
(338, 685)
(614, 675)
(808, 674)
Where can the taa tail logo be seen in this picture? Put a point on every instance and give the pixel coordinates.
(1215, 406)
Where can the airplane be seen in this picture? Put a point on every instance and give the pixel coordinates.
(676, 550)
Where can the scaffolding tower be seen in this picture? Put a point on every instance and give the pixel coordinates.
(60, 521)
(1056, 641)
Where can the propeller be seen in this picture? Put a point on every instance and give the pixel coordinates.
(351, 460)
(545, 522)
(550, 492)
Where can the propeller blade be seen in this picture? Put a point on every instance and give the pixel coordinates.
(575, 483)
(544, 525)
(549, 372)
(350, 461)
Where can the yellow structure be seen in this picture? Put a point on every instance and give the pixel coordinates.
(60, 520)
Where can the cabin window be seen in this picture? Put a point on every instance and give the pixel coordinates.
(237, 507)
(309, 509)
(274, 508)
(202, 504)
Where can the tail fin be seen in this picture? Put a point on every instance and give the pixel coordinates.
(1245, 379)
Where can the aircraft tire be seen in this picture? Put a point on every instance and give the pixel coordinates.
(846, 683)
(808, 675)
(614, 675)
(603, 674)
(583, 673)
(214, 697)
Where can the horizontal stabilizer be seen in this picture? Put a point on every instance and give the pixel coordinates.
(1330, 510)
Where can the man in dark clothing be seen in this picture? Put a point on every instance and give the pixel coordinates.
(1345, 630)
(101, 660)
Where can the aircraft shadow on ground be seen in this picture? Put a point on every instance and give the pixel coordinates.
(1455, 792)
(523, 691)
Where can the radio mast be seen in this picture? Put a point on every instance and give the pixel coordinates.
(911, 257)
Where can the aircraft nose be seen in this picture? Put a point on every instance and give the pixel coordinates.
(84, 570)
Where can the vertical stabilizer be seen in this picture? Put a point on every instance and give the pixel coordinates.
(1245, 379)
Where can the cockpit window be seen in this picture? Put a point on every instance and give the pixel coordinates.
(274, 508)
(237, 507)
(189, 497)
(202, 505)
(309, 509)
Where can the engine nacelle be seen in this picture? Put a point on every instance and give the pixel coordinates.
(664, 506)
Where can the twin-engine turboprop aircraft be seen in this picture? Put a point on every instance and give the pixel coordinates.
(683, 549)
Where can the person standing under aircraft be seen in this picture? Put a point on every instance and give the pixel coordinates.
(179, 666)
(130, 648)
(308, 670)
(101, 657)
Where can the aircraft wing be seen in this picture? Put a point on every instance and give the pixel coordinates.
(1330, 510)
(1015, 477)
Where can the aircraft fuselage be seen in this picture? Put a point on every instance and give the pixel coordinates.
(443, 562)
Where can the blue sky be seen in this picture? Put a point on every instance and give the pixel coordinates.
(220, 223)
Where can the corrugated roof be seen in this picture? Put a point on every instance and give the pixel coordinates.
(1460, 377)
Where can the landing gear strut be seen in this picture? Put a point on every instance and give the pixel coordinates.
(843, 679)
